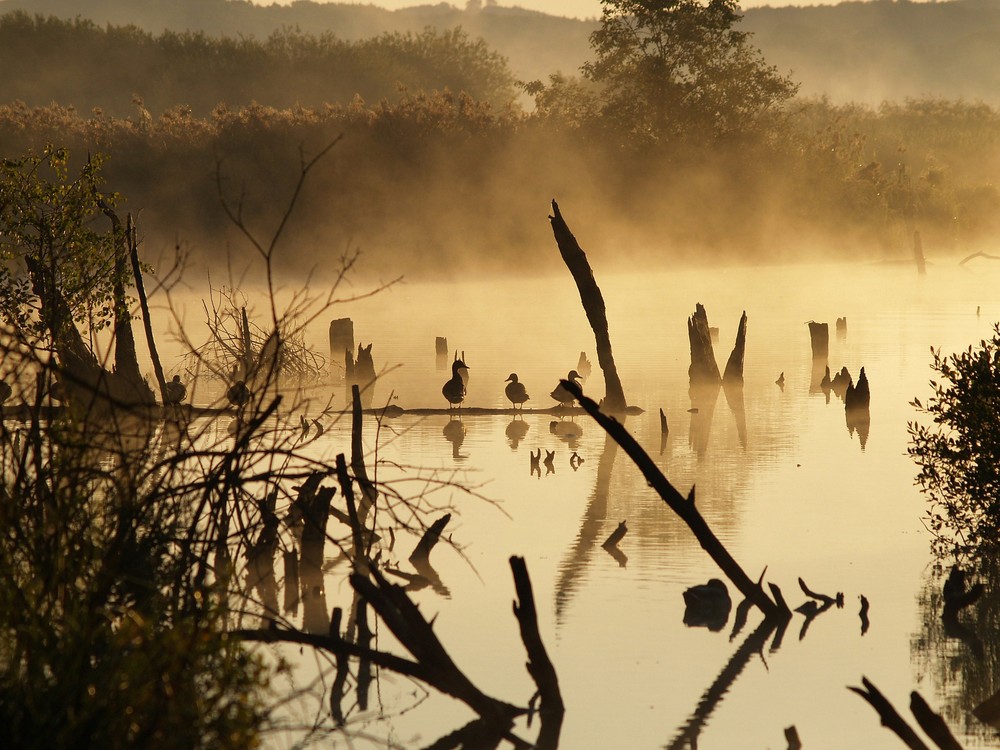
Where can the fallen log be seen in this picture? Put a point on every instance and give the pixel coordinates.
(685, 508)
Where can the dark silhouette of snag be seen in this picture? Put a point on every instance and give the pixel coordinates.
(593, 305)
(734, 367)
(685, 508)
(703, 369)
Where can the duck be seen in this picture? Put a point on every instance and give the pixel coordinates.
(560, 394)
(454, 389)
(238, 393)
(515, 391)
(707, 605)
(174, 391)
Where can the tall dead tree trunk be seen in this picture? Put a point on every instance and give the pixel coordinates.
(734, 367)
(703, 369)
(593, 305)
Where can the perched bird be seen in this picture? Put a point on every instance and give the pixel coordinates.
(707, 605)
(560, 394)
(238, 393)
(515, 391)
(174, 391)
(454, 389)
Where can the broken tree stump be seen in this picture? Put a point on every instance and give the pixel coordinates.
(341, 338)
(819, 337)
(703, 369)
(734, 367)
(593, 305)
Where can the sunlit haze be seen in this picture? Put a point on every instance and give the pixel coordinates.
(570, 8)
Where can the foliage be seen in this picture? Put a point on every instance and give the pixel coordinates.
(48, 216)
(198, 71)
(958, 453)
(673, 68)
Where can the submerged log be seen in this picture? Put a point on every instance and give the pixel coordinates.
(703, 369)
(593, 305)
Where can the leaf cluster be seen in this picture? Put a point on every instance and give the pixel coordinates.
(958, 452)
(48, 215)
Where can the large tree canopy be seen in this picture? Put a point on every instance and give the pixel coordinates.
(677, 67)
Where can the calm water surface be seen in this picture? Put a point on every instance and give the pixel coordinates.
(783, 482)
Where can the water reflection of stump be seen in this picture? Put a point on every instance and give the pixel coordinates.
(703, 398)
(734, 397)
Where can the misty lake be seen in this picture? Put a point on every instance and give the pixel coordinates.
(786, 486)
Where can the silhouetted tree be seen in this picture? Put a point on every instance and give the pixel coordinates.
(677, 67)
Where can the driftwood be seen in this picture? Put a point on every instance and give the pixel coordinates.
(616, 536)
(685, 508)
(929, 721)
(593, 305)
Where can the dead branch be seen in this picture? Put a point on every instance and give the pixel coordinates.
(683, 508)
(593, 305)
(889, 716)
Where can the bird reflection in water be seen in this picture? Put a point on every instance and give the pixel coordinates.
(707, 605)
(569, 432)
(454, 433)
(516, 431)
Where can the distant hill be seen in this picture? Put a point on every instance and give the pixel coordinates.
(536, 44)
(883, 50)
(854, 51)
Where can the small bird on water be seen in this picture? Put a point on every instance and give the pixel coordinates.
(454, 389)
(560, 394)
(174, 391)
(238, 393)
(515, 391)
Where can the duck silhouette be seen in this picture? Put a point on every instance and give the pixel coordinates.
(238, 394)
(454, 389)
(560, 394)
(174, 391)
(515, 391)
(707, 605)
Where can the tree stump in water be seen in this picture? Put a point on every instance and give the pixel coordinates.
(703, 369)
(734, 367)
(819, 337)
